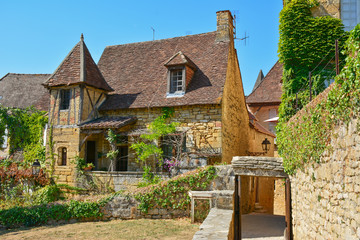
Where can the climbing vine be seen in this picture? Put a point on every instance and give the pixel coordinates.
(305, 137)
(173, 194)
(25, 130)
(306, 44)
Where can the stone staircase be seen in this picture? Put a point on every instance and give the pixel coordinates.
(259, 208)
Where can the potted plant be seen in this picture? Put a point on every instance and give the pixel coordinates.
(89, 167)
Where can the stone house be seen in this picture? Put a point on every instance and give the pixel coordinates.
(198, 76)
(22, 91)
(265, 98)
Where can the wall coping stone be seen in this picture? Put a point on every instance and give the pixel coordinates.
(216, 225)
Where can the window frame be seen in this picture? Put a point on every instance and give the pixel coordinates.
(65, 97)
(63, 156)
(170, 90)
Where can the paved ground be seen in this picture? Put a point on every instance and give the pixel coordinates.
(254, 226)
(262, 226)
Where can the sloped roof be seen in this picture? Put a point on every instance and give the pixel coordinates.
(78, 67)
(24, 90)
(260, 128)
(109, 122)
(269, 90)
(137, 73)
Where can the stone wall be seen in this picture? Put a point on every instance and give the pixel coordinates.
(65, 138)
(235, 118)
(202, 124)
(326, 195)
(327, 8)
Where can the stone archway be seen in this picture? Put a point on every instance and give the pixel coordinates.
(258, 167)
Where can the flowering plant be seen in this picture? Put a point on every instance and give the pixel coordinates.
(170, 164)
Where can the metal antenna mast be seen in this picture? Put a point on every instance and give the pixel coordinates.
(244, 38)
(153, 33)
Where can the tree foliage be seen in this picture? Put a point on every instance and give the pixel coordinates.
(147, 147)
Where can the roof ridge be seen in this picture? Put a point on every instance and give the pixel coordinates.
(4, 76)
(159, 40)
(27, 74)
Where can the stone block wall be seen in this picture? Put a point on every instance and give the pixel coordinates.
(326, 195)
(202, 124)
(65, 138)
(327, 8)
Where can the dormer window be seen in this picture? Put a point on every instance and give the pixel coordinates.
(177, 81)
(64, 99)
(180, 72)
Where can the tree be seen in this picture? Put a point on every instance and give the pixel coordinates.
(112, 155)
(148, 148)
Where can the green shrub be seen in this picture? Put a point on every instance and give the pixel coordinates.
(174, 193)
(47, 194)
(41, 214)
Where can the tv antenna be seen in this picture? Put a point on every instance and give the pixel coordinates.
(235, 12)
(244, 38)
(153, 33)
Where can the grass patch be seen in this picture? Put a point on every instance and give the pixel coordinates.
(118, 229)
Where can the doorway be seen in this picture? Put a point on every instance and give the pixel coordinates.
(91, 152)
(122, 158)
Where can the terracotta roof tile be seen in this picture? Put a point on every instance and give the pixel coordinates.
(109, 122)
(137, 73)
(258, 127)
(24, 90)
(269, 89)
(78, 67)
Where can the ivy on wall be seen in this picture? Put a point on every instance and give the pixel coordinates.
(174, 193)
(25, 130)
(304, 46)
(307, 135)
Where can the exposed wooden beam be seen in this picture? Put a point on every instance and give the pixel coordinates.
(92, 105)
(54, 106)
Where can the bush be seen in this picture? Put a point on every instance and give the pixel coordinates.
(47, 194)
(41, 214)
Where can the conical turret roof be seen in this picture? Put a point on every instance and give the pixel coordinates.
(78, 68)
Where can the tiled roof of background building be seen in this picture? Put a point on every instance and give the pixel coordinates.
(269, 89)
(24, 90)
(137, 73)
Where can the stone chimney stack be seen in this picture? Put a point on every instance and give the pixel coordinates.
(225, 27)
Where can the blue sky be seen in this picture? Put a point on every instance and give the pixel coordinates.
(37, 35)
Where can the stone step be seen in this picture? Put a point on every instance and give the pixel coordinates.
(259, 208)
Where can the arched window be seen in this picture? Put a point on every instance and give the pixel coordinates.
(63, 156)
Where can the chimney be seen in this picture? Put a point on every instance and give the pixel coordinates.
(225, 27)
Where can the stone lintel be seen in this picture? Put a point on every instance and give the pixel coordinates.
(258, 166)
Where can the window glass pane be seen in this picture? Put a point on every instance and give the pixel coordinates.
(64, 99)
(176, 81)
